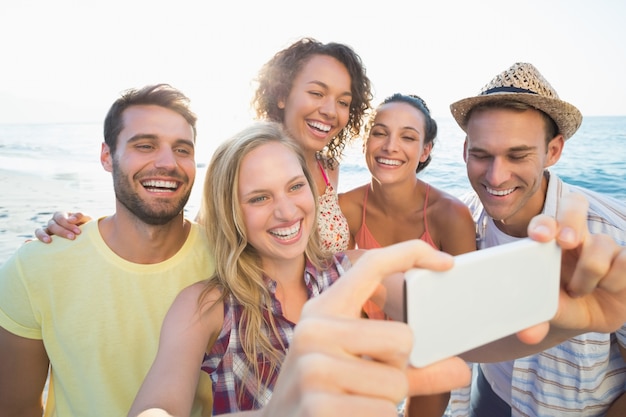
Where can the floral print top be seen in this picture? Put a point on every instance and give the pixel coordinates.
(333, 225)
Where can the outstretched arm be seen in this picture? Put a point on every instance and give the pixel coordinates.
(339, 364)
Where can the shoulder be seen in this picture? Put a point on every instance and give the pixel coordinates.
(353, 197)
(46, 257)
(197, 307)
(351, 203)
(447, 207)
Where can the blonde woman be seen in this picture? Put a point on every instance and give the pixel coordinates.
(269, 262)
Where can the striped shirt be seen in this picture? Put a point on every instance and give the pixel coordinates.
(580, 377)
(234, 383)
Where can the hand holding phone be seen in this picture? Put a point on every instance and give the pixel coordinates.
(487, 295)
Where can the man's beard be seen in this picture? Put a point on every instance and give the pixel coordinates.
(157, 214)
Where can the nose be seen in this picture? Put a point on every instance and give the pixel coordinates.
(329, 108)
(284, 208)
(391, 143)
(165, 158)
(497, 172)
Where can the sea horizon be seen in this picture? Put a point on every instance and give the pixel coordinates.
(55, 166)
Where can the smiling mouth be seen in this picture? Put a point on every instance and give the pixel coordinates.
(160, 186)
(322, 127)
(286, 233)
(391, 162)
(499, 193)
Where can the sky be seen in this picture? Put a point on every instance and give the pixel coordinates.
(68, 60)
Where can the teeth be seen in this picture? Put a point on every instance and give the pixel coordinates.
(287, 232)
(160, 184)
(320, 126)
(388, 161)
(500, 193)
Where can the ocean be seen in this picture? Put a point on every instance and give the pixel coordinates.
(48, 167)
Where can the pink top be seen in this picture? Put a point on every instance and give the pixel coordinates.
(365, 240)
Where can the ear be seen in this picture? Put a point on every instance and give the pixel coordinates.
(281, 104)
(426, 151)
(106, 159)
(555, 148)
(465, 150)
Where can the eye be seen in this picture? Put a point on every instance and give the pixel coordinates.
(479, 156)
(183, 151)
(144, 147)
(297, 186)
(316, 94)
(257, 199)
(344, 103)
(518, 157)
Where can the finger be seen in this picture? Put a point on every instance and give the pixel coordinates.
(349, 293)
(592, 264)
(535, 334)
(442, 376)
(380, 340)
(77, 218)
(62, 229)
(42, 235)
(542, 228)
(355, 376)
(334, 405)
(615, 280)
(572, 221)
(603, 310)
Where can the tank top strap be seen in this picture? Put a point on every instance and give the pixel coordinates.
(367, 189)
(424, 210)
(323, 173)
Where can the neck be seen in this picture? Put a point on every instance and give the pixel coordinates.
(291, 290)
(393, 198)
(138, 242)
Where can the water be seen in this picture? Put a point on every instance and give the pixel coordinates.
(48, 167)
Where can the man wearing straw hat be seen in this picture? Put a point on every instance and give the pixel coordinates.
(516, 129)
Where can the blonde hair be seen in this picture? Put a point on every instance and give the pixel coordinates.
(238, 270)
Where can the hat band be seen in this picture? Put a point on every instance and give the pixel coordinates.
(507, 90)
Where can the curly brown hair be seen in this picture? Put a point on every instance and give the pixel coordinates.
(275, 80)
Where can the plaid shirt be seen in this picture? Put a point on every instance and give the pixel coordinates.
(234, 385)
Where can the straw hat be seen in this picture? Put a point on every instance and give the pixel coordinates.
(522, 82)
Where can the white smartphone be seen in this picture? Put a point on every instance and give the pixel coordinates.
(488, 294)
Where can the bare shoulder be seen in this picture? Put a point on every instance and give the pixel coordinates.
(351, 203)
(195, 301)
(355, 194)
(446, 204)
(452, 225)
